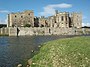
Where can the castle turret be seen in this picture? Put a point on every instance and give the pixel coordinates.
(76, 19)
(56, 11)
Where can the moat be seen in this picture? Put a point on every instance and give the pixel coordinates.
(15, 50)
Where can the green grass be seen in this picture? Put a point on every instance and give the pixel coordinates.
(4, 34)
(69, 52)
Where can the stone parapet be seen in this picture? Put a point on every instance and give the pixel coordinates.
(4, 31)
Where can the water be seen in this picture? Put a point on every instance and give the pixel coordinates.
(14, 50)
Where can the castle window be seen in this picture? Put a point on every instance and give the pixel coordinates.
(55, 22)
(21, 16)
(66, 18)
(29, 14)
(15, 16)
(62, 18)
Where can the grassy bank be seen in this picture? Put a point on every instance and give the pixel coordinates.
(69, 52)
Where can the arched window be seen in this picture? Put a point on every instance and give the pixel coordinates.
(21, 16)
(15, 16)
(66, 18)
(62, 18)
(29, 14)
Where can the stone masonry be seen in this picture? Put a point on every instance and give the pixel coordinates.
(60, 19)
(21, 18)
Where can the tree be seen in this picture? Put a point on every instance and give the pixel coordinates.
(27, 25)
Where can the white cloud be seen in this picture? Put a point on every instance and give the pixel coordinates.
(4, 11)
(85, 24)
(50, 9)
(62, 5)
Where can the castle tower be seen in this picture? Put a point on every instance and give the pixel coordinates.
(9, 20)
(56, 11)
(62, 19)
(76, 20)
(21, 18)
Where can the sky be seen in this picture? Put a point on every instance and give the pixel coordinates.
(45, 8)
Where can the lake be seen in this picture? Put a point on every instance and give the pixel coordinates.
(15, 50)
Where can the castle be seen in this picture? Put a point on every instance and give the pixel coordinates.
(60, 19)
(61, 23)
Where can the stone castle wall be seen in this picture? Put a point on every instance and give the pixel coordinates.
(4, 31)
(44, 31)
(12, 31)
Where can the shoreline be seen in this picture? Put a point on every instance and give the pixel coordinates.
(30, 61)
(46, 47)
